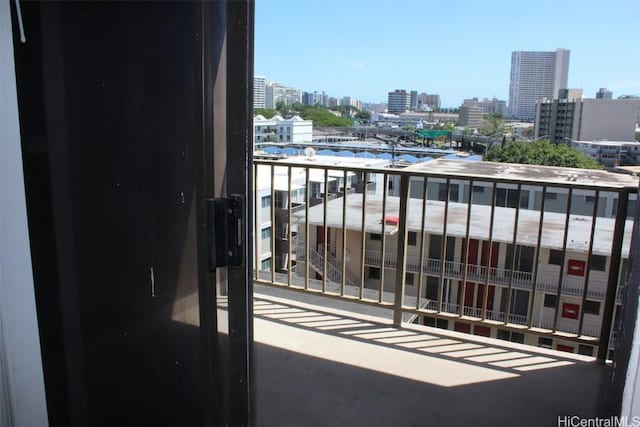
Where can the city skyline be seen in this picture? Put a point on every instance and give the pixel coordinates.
(367, 49)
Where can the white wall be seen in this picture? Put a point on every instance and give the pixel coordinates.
(22, 398)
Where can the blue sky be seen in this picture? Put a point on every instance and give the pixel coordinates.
(458, 49)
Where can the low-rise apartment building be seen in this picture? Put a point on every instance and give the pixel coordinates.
(530, 274)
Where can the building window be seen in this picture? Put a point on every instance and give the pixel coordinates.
(266, 233)
(412, 238)
(376, 237)
(289, 138)
(454, 190)
(592, 307)
(585, 350)
(478, 189)
(280, 137)
(266, 201)
(552, 196)
(598, 262)
(374, 273)
(266, 264)
(555, 257)
(409, 279)
(550, 300)
(545, 342)
(589, 199)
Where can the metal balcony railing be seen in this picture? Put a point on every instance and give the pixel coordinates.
(335, 254)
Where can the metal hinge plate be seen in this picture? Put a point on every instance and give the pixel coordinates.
(224, 231)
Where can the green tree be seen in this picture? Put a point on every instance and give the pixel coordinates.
(493, 125)
(267, 113)
(363, 115)
(541, 153)
(323, 118)
(638, 136)
(280, 105)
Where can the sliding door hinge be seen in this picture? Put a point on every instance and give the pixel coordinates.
(224, 232)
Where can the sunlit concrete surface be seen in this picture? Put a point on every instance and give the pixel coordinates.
(322, 362)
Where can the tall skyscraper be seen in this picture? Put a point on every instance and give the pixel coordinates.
(259, 92)
(536, 75)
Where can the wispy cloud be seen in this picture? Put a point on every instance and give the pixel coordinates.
(355, 63)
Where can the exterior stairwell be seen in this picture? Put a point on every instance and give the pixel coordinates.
(316, 262)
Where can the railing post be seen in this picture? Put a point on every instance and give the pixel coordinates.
(614, 271)
(401, 258)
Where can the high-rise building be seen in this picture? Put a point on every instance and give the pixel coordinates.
(277, 92)
(399, 101)
(536, 75)
(603, 93)
(426, 102)
(259, 92)
(315, 98)
(576, 118)
(414, 100)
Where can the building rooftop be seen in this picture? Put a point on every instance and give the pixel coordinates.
(504, 218)
(526, 174)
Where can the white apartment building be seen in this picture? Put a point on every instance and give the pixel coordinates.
(611, 153)
(259, 92)
(279, 130)
(536, 75)
(276, 92)
(278, 187)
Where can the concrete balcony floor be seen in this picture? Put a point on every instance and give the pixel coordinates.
(322, 362)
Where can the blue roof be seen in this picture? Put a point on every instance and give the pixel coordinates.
(408, 158)
(271, 150)
(290, 151)
(366, 155)
(345, 153)
(425, 159)
(386, 156)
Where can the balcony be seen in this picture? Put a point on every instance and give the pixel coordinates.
(334, 254)
(351, 366)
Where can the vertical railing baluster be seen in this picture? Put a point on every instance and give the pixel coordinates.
(423, 239)
(272, 226)
(443, 245)
(325, 244)
(485, 297)
(363, 240)
(514, 246)
(587, 275)
(343, 274)
(383, 237)
(465, 249)
(401, 250)
(289, 232)
(567, 221)
(306, 228)
(536, 262)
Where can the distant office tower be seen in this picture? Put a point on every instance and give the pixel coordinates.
(314, 98)
(414, 100)
(603, 93)
(259, 92)
(536, 75)
(399, 101)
